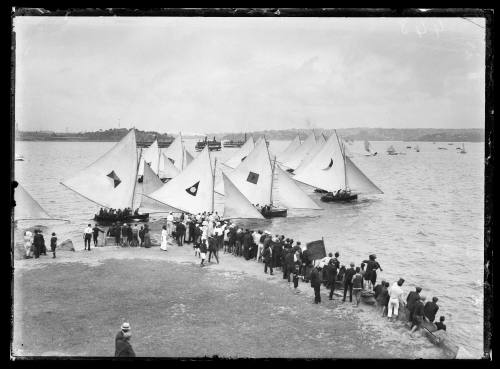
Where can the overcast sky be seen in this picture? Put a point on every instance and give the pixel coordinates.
(197, 74)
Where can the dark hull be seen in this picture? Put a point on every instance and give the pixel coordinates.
(233, 144)
(131, 218)
(319, 190)
(210, 147)
(274, 213)
(342, 198)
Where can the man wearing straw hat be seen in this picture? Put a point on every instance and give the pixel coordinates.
(123, 348)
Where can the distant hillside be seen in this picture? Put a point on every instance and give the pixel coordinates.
(372, 134)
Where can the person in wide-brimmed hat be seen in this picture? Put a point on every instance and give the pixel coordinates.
(123, 348)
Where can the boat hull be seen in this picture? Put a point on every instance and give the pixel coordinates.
(319, 190)
(131, 218)
(329, 197)
(274, 213)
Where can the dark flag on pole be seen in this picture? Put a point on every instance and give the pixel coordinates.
(316, 249)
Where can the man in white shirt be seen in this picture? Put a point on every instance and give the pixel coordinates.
(170, 223)
(256, 239)
(87, 236)
(395, 297)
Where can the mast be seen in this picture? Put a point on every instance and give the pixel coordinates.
(272, 181)
(213, 182)
(342, 151)
(159, 156)
(183, 152)
(136, 173)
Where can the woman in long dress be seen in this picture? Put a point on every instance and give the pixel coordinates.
(164, 234)
(147, 237)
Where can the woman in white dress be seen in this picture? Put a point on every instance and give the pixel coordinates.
(28, 241)
(164, 235)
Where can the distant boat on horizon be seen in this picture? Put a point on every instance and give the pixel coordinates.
(19, 157)
(391, 150)
(462, 150)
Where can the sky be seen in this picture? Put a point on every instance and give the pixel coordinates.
(196, 75)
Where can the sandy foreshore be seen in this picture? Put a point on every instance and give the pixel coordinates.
(74, 305)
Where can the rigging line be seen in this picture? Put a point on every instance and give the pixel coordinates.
(467, 19)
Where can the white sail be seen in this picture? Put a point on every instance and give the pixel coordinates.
(241, 154)
(357, 181)
(27, 207)
(236, 205)
(326, 170)
(295, 158)
(288, 194)
(150, 155)
(189, 157)
(290, 149)
(167, 168)
(110, 181)
(253, 177)
(191, 190)
(176, 153)
(150, 182)
(312, 153)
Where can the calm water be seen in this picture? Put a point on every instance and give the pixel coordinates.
(427, 227)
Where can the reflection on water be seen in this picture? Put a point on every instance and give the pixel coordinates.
(427, 227)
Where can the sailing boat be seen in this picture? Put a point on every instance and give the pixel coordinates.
(192, 190)
(391, 150)
(311, 153)
(296, 157)
(236, 205)
(265, 184)
(110, 181)
(241, 154)
(332, 170)
(26, 207)
(417, 149)
(462, 150)
(368, 149)
(150, 155)
(290, 149)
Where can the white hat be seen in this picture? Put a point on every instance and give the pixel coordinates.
(125, 327)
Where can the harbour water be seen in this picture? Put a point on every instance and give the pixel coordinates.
(427, 227)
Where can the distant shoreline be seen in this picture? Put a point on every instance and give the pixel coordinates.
(357, 134)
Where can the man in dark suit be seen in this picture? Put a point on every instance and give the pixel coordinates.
(430, 309)
(316, 284)
(411, 300)
(348, 281)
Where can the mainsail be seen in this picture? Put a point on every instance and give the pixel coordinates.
(326, 169)
(167, 168)
(189, 157)
(357, 181)
(290, 149)
(150, 184)
(191, 190)
(110, 181)
(310, 155)
(236, 205)
(176, 153)
(295, 158)
(289, 194)
(150, 155)
(27, 207)
(241, 154)
(253, 177)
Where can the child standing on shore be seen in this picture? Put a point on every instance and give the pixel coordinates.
(53, 244)
(357, 285)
